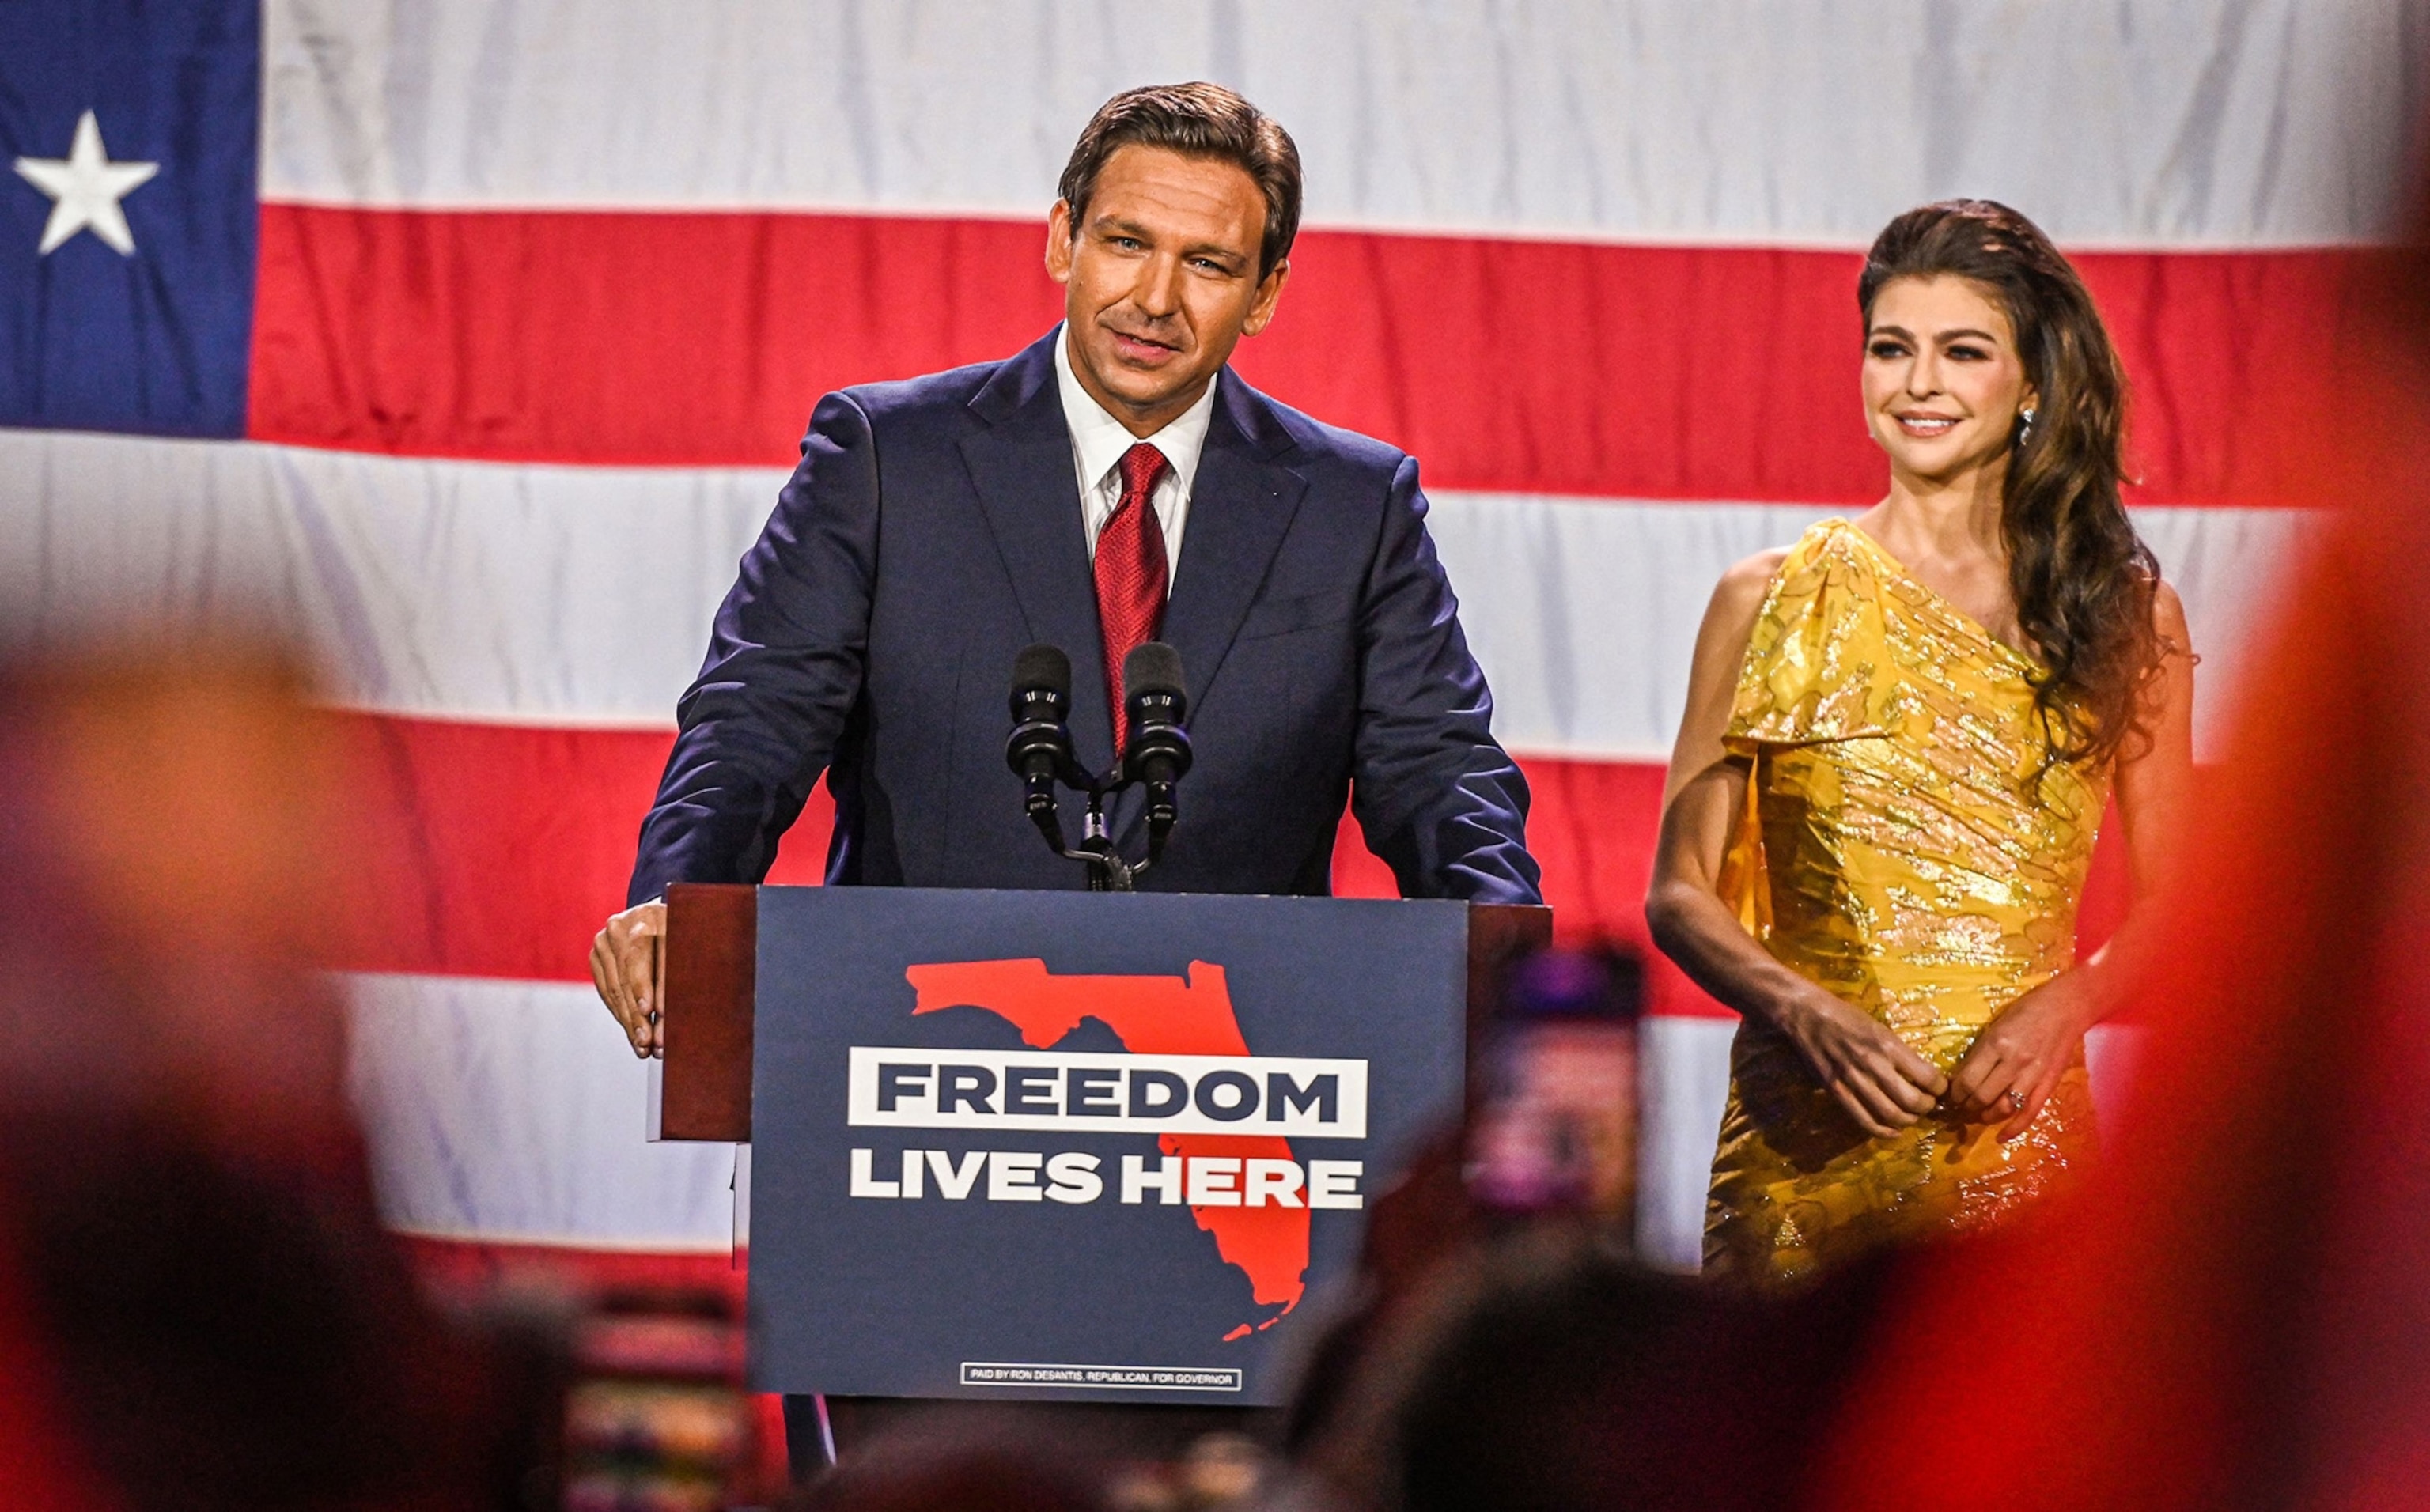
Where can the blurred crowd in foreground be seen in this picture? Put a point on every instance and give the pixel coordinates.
(198, 1307)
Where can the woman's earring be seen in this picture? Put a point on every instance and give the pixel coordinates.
(2025, 427)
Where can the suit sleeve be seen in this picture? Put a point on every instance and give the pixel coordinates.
(1437, 796)
(784, 671)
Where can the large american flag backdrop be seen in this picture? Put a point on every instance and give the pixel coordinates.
(469, 340)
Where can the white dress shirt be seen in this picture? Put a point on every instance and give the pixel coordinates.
(1098, 442)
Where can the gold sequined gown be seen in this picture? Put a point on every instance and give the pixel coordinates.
(1898, 850)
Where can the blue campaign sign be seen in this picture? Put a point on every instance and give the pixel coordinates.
(1078, 1147)
(129, 135)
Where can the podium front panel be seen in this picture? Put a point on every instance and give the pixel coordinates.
(1045, 1146)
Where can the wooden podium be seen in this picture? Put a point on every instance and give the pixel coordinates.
(920, 1271)
(712, 955)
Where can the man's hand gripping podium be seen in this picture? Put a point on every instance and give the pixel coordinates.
(628, 955)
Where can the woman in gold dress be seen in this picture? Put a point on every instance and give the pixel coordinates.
(1900, 736)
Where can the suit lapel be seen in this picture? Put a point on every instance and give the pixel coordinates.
(1021, 464)
(1241, 507)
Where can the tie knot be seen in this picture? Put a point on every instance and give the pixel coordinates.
(1143, 465)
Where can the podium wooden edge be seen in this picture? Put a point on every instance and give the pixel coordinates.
(711, 966)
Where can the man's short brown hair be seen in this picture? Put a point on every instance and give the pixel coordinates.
(1198, 120)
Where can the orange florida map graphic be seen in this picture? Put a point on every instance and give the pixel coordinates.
(1150, 1016)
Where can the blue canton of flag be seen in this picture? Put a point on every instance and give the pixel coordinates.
(128, 136)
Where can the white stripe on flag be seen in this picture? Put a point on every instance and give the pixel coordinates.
(512, 1111)
(2148, 122)
(1584, 613)
(565, 595)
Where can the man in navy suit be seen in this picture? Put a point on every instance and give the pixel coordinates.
(1112, 484)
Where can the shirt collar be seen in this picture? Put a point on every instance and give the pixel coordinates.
(1099, 441)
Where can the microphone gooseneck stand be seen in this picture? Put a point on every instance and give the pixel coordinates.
(1156, 756)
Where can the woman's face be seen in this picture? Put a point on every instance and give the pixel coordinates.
(1942, 378)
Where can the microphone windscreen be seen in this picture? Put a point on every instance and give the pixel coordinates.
(1152, 668)
(1042, 666)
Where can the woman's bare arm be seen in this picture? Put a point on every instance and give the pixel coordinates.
(2155, 780)
(1884, 1084)
(2154, 792)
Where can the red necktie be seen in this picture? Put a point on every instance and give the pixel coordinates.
(1130, 574)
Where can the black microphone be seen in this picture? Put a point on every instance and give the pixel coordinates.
(1039, 749)
(1157, 755)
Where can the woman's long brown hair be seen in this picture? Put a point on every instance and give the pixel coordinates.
(2083, 580)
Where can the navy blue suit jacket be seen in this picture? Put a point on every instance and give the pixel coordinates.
(934, 528)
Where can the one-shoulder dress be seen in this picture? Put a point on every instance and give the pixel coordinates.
(1905, 846)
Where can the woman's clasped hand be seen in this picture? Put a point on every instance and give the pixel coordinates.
(2016, 1060)
(1886, 1085)
(1879, 1078)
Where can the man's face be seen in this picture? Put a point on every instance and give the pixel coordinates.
(1161, 280)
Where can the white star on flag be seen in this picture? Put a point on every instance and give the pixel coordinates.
(85, 187)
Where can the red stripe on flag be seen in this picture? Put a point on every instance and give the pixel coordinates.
(476, 1267)
(498, 850)
(1592, 827)
(1601, 371)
